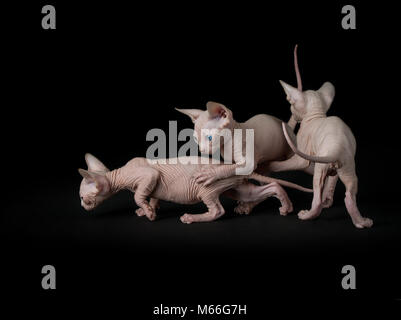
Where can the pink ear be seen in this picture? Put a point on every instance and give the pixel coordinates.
(327, 91)
(102, 184)
(95, 164)
(293, 94)
(192, 113)
(85, 174)
(218, 110)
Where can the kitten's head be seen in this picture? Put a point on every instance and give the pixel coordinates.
(95, 187)
(309, 102)
(209, 124)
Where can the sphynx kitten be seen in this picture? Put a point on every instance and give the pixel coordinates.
(269, 142)
(328, 143)
(174, 182)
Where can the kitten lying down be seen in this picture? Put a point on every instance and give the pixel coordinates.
(176, 183)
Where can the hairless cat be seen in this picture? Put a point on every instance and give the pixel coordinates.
(326, 141)
(269, 141)
(175, 182)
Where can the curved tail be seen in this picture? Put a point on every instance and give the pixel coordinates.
(306, 156)
(260, 178)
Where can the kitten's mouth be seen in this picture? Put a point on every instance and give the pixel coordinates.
(88, 208)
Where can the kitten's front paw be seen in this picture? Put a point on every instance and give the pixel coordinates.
(308, 214)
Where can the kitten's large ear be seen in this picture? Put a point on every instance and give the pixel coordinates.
(327, 91)
(293, 94)
(102, 184)
(217, 110)
(192, 113)
(95, 164)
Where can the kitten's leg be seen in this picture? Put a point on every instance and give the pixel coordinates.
(207, 175)
(293, 163)
(319, 179)
(263, 169)
(154, 203)
(310, 169)
(350, 180)
(215, 211)
(144, 190)
(246, 206)
(141, 200)
(328, 191)
(248, 193)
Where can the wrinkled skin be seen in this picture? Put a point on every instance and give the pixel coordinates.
(174, 181)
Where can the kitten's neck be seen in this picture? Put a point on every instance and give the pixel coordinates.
(117, 180)
(312, 116)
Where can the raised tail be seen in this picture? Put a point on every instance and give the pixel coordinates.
(260, 178)
(306, 156)
(297, 73)
(292, 123)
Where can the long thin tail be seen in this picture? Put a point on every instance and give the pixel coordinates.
(284, 183)
(299, 81)
(292, 123)
(306, 156)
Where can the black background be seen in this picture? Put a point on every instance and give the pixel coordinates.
(112, 71)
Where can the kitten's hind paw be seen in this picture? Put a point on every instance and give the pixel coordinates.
(363, 223)
(243, 208)
(187, 218)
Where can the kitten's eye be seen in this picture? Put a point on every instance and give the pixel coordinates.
(82, 198)
(209, 138)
